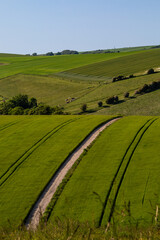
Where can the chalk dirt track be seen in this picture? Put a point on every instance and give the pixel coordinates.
(37, 211)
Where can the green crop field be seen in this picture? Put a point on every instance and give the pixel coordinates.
(118, 177)
(126, 65)
(44, 65)
(32, 148)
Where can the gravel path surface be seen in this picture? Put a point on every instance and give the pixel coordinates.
(39, 208)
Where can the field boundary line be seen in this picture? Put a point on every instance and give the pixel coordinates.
(125, 170)
(31, 150)
(38, 209)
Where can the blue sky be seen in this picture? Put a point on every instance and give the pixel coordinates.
(41, 26)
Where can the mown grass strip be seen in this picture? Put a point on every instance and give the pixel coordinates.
(25, 155)
(144, 129)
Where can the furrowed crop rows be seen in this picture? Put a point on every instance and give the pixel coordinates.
(92, 192)
(45, 142)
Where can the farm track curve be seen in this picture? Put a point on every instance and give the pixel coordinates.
(8, 173)
(136, 140)
(33, 218)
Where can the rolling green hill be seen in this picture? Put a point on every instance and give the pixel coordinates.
(87, 78)
(44, 65)
(139, 62)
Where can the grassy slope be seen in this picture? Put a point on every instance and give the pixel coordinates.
(103, 91)
(50, 90)
(43, 65)
(54, 90)
(138, 62)
(25, 179)
(95, 173)
(147, 104)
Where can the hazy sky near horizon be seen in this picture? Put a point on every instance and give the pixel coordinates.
(41, 26)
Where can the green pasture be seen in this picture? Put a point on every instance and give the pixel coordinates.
(31, 150)
(55, 90)
(49, 90)
(47, 79)
(104, 91)
(147, 104)
(126, 65)
(91, 191)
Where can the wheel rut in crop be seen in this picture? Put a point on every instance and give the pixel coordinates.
(8, 173)
(119, 176)
(33, 217)
(8, 125)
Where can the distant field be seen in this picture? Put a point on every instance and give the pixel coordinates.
(120, 173)
(103, 91)
(31, 149)
(85, 77)
(131, 64)
(44, 65)
(49, 90)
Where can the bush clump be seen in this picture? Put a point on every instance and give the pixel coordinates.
(126, 95)
(21, 105)
(119, 78)
(84, 107)
(131, 76)
(150, 71)
(148, 88)
(112, 100)
(100, 104)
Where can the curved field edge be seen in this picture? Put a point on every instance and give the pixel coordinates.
(84, 194)
(33, 175)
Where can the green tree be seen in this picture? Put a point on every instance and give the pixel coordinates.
(20, 101)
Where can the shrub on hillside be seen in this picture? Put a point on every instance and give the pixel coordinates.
(100, 104)
(84, 107)
(150, 71)
(116, 99)
(131, 76)
(126, 95)
(148, 88)
(112, 100)
(119, 78)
